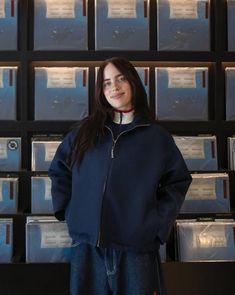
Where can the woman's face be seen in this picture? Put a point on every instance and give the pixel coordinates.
(116, 88)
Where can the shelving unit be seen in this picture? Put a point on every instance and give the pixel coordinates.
(182, 278)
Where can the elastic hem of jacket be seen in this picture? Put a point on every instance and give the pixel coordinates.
(140, 249)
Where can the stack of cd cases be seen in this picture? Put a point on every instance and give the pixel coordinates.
(231, 152)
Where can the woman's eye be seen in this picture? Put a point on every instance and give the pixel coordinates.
(105, 84)
(122, 78)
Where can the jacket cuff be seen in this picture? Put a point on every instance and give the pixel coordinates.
(60, 215)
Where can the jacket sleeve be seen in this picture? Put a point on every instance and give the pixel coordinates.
(171, 192)
(61, 177)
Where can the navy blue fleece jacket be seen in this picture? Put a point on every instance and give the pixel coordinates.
(126, 192)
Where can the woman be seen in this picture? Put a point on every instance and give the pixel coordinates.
(119, 182)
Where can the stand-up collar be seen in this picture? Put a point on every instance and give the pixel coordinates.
(123, 117)
(133, 120)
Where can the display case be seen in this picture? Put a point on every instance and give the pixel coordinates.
(41, 200)
(181, 93)
(199, 152)
(208, 193)
(231, 24)
(8, 89)
(60, 25)
(183, 25)
(47, 240)
(61, 93)
(8, 195)
(43, 151)
(6, 240)
(231, 152)
(10, 153)
(206, 241)
(230, 92)
(8, 24)
(122, 25)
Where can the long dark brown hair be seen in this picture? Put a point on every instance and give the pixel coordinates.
(92, 127)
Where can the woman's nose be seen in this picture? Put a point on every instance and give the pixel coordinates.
(115, 85)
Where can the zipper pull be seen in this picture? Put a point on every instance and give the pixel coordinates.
(112, 152)
(98, 241)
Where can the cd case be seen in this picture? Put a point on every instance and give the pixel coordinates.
(206, 240)
(122, 25)
(6, 240)
(231, 152)
(230, 93)
(10, 153)
(60, 25)
(61, 93)
(43, 151)
(199, 152)
(208, 193)
(8, 24)
(231, 24)
(47, 240)
(181, 93)
(183, 25)
(8, 195)
(41, 200)
(8, 82)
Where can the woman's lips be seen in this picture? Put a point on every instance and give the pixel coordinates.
(116, 96)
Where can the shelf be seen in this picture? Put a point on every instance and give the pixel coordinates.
(92, 55)
(206, 278)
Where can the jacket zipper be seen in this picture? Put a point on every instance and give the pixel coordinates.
(112, 156)
(115, 141)
(98, 240)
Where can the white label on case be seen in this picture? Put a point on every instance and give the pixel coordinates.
(181, 78)
(51, 148)
(183, 9)
(60, 9)
(47, 184)
(2, 9)
(3, 151)
(211, 236)
(61, 78)
(54, 239)
(1, 78)
(202, 189)
(1, 190)
(122, 8)
(191, 148)
(209, 241)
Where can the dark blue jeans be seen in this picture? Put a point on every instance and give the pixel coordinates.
(103, 271)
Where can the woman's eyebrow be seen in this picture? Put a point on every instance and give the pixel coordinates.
(114, 77)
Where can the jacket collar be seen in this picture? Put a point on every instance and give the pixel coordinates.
(137, 121)
(123, 117)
